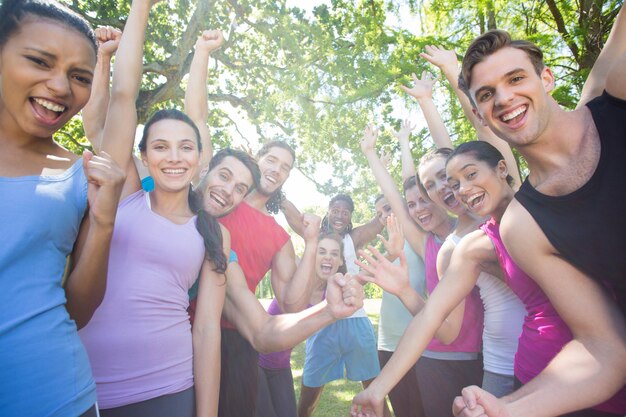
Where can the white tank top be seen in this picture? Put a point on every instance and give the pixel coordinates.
(349, 255)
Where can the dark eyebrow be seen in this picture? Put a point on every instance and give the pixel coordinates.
(507, 75)
(54, 57)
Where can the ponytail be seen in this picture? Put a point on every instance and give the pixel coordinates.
(211, 233)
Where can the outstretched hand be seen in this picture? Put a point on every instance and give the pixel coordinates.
(444, 59)
(390, 277)
(105, 181)
(108, 39)
(395, 244)
(405, 130)
(368, 142)
(344, 295)
(422, 87)
(210, 41)
(476, 402)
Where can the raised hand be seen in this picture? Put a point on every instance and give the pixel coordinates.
(105, 181)
(210, 41)
(405, 130)
(390, 277)
(367, 404)
(422, 87)
(395, 244)
(476, 402)
(444, 59)
(344, 295)
(311, 227)
(108, 39)
(368, 142)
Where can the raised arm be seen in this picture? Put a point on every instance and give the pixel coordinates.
(196, 105)
(206, 334)
(94, 113)
(422, 91)
(612, 54)
(274, 333)
(446, 60)
(414, 234)
(293, 284)
(453, 288)
(293, 216)
(403, 135)
(364, 234)
(119, 129)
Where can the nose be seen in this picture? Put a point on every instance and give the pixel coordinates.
(173, 155)
(59, 84)
(503, 96)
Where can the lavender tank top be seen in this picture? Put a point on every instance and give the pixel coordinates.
(275, 360)
(139, 339)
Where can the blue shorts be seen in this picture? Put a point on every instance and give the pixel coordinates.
(348, 343)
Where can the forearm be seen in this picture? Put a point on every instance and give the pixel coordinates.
(408, 164)
(293, 295)
(582, 375)
(196, 105)
(293, 216)
(285, 331)
(86, 284)
(437, 128)
(206, 369)
(411, 300)
(94, 113)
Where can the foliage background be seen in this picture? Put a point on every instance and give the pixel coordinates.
(316, 79)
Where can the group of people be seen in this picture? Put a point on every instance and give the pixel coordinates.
(134, 293)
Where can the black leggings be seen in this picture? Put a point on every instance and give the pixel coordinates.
(239, 376)
(405, 397)
(180, 404)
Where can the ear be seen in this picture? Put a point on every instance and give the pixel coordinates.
(547, 78)
(502, 169)
(478, 116)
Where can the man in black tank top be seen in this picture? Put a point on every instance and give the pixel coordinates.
(566, 227)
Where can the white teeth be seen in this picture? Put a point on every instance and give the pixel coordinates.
(472, 199)
(218, 199)
(49, 105)
(270, 179)
(423, 217)
(513, 114)
(174, 171)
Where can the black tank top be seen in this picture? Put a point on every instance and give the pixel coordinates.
(588, 226)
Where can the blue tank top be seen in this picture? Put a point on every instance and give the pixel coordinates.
(44, 369)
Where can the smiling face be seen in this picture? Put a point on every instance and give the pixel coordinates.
(275, 166)
(44, 82)
(482, 189)
(225, 186)
(328, 258)
(339, 216)
(432, 174)
(171, 154)
(423, 211)
(511, 98)
(383, 210)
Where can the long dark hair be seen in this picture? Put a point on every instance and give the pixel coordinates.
(12, 12)
(207, 225)
(481, 151)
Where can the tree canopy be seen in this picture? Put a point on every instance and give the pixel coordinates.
(316, 80)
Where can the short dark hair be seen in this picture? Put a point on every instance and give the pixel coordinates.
(12, 12)
(168, 114)
(379, 197)
(248, 161)
(482, 151)
(276, 144)
(489, 43)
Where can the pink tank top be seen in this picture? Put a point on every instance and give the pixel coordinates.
(544, 333)
(470, 336)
